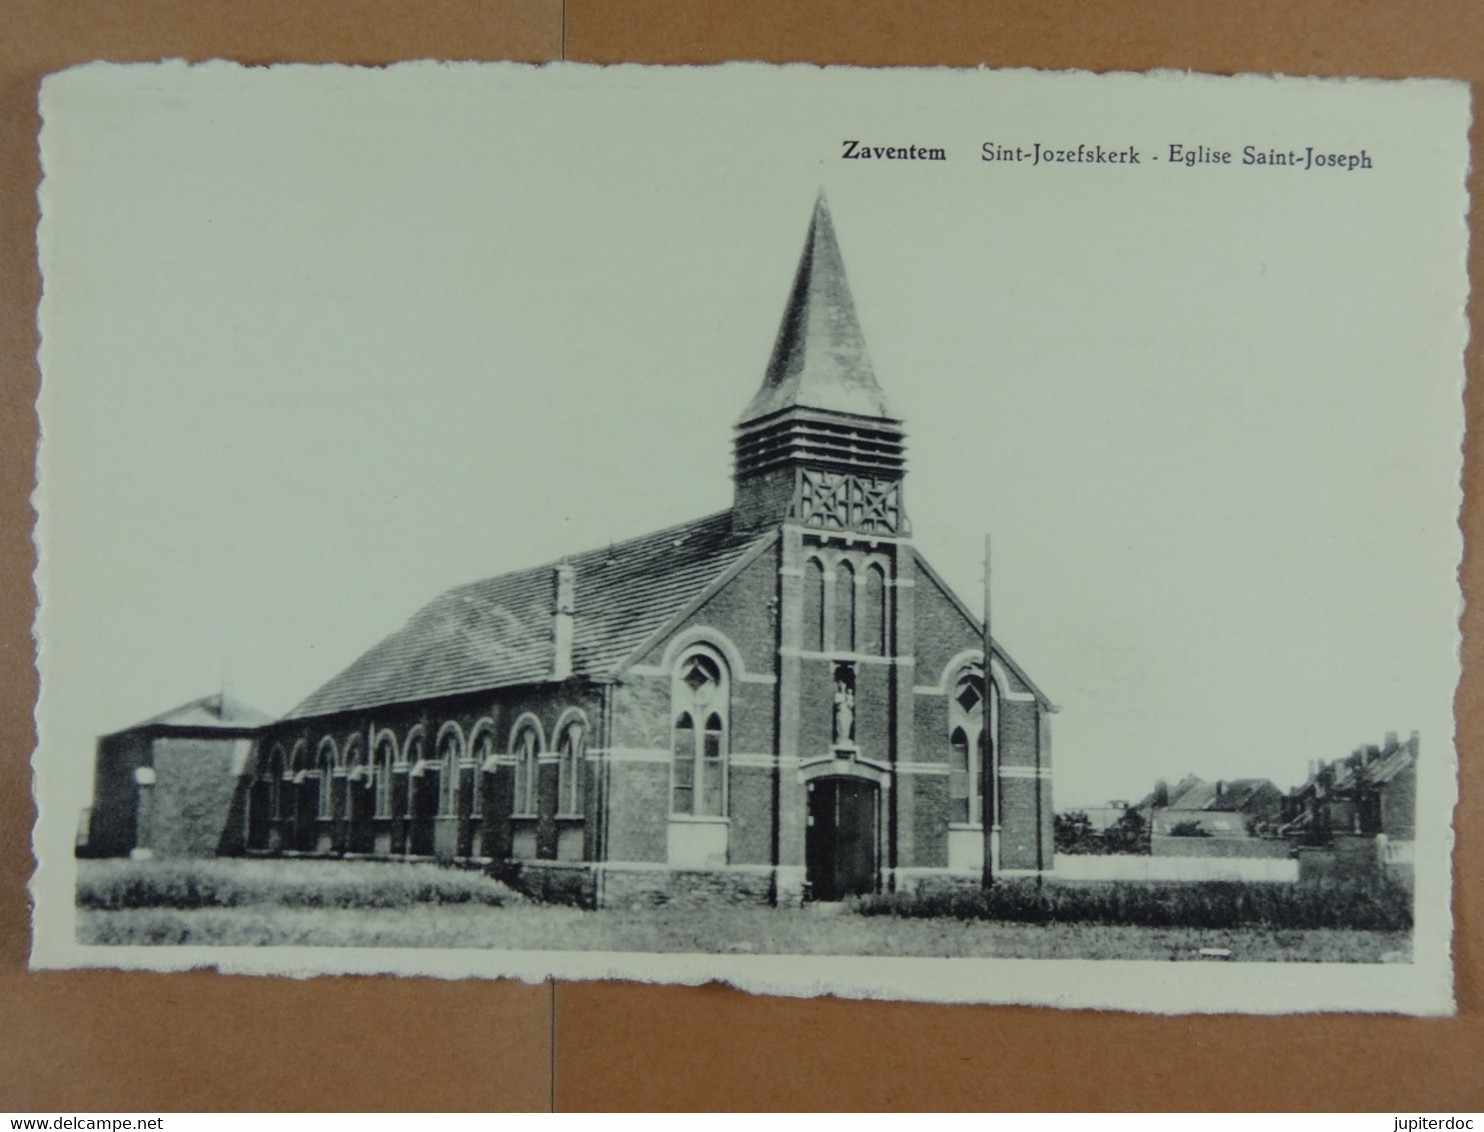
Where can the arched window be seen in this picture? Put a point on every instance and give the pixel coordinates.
(484, 750)
(844, 608)
(527, 751)
(960, 782)
(570, 753)
(415, 769)
(713, 769)
(873, 612)
(326, 773)
(386, 759)
(275, 783)
(813, 606)
(969, 744)
(450, 753)
(355, 759)
(699, 737)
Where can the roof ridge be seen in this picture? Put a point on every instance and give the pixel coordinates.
(552, 564)
(496, 631)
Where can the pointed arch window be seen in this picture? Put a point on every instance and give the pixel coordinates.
(484, 750)
(450, 754)
(570, 754)
(416, 769)
(873, 612)
(386, 759)
(527, 752)
(325, 773)
(813, 606)
(275, 783)
(969, 747)
(700, 709)
(844, 608)
(358, 777)
(355, 758)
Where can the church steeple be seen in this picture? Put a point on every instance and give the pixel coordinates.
(820, 360)
(818, 443)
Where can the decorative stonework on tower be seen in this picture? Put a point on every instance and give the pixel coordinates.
(818, 444)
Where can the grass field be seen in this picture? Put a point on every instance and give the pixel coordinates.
(362, 904)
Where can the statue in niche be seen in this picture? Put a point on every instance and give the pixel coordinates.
(844, 709)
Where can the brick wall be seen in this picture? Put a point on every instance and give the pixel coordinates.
(682, 887)
(765, 498)
(1162, 846)
(200, 805)
(639, 811)
(817, 708)
(940, 629)
(752, 718)
(750, 791)
(873, 710)
(1018, 807)
(641, 713)
(111, 825)
(1399, 806)
(549, 882)
(743, 609)
(927, 797)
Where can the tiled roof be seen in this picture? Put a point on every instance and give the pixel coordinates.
(498, 632)
(1193, 793)
(819, 360)
(1379, 770)
(1243, 792)
(209, 713)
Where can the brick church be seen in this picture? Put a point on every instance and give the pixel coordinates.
(778, 702)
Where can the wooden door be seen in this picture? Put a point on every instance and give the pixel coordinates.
(841, 836)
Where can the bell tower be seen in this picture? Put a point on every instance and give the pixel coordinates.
(818, 444)
(820, 456)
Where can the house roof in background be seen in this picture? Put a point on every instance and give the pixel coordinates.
(210, 713)
(1192, 793)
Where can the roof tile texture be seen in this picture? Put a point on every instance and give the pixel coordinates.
(498, 632)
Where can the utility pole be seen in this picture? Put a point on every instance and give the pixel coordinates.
(989, 747)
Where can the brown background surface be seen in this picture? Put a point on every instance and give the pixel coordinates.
(101, 1041)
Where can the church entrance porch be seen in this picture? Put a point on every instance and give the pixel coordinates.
(840, 838)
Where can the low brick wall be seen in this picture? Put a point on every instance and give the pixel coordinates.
(1355, 859)
(1162, 845)
(935, 885)
(550, 881)
(654, 888)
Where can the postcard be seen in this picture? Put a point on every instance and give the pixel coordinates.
(974, 536)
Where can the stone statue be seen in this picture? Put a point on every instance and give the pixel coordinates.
(844, 712)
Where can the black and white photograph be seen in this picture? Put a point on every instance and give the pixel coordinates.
(982, 536)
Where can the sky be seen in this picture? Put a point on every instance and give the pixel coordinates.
(320, 344)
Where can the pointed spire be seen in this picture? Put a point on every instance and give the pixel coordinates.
(820, 359)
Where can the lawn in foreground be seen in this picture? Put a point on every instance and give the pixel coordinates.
(317, 904)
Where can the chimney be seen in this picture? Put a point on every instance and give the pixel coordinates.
(1391, 743)
(564, 580)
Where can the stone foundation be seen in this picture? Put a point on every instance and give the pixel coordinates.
(550, 882)
(645, 888)
(933, 884)
(589, 885)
